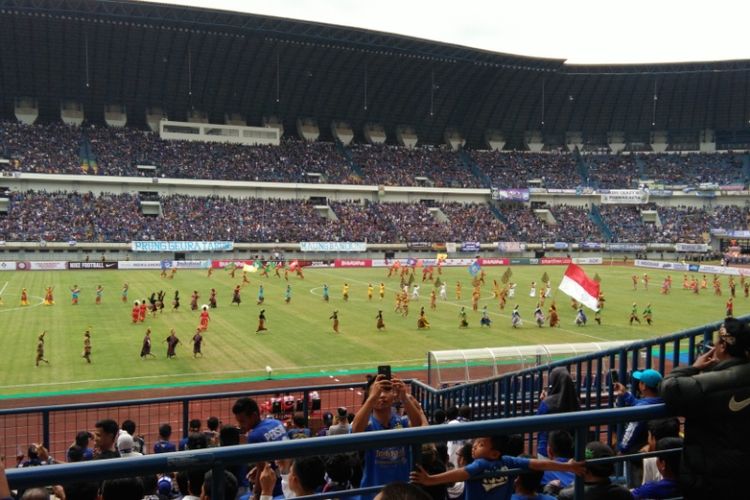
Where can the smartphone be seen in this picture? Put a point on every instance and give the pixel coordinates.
(385, 370)
(614, 376)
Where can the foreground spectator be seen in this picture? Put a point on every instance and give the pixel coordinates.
(105, 434)
(402, 491)
(490, 458)
(597, 485)
(669, 469)
(386, 465)
(122, 489)
(528, 487)
(230, 486)
(657, 430)
(562, 397)
(714, 397)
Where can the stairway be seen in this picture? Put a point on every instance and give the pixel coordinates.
(469, 163)
(356, 170)
(596, 217)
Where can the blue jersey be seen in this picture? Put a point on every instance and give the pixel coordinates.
(636, 433)
(538, 496)
(491, 488)
(182, 445)
(164, 447)
(565, 478)
(266, 431)
(665, 488)
(386, 465)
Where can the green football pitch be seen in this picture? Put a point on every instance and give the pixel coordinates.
(300, 341)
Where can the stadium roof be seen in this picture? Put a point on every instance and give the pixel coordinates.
(182, 58)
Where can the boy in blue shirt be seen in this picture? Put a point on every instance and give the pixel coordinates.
(163, 445)
(669, 467)
(386, 465)
(487, 453)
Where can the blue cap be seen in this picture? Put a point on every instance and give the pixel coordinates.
(649, 377)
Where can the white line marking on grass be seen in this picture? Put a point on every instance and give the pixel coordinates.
(454, 304)
(41, 301)
(4, 287)
(322, 368)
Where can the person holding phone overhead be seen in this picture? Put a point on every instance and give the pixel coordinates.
(386, 465)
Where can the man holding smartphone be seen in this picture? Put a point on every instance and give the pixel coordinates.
(714, 397)
(386, 465)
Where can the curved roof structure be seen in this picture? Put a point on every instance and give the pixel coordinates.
(179, 58)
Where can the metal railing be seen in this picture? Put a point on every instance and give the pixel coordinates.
(217, 459)
(56, 426)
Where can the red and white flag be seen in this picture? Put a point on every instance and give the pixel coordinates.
(577, 285)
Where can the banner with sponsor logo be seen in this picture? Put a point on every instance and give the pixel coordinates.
(138, 264)
(730, 233)
(470, 246)
(419, 245)
(510, 247)
(588, 260)
(493, 262)
(332, 246)
(191, 264)
(558, 245)
(47, 265)
(626, 247)
(93, 266)
(520, 262)
(708, 269)
(555, 261)
(624, 197)
(659, 264)
(510, 194)
(352, 263)
(182, 246)
(7, 266)
(451, 247)
(661, 193)
(691, 247)
(439, 247)
(591, 245)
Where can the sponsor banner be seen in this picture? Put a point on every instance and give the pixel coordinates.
(719, 270)
(584, 191)
(537, 190)
(493, 262)
(352, 263)
(588, 260)
(23, 265)
(451, 247)
(705, 194)
(693, 268)
(191, 264)
(561, 191)
(555, 261)
(510, 194)
(48, 265)
(625, 197)
(658, 264)
(560, 245)
(221, 264)
(320, 263)
(138, 264)
(660, 246)
(626, 247)
(732, 187)
(661, 193)
(181, 246)
(332, 246)
(520, 262)
(7, 266)
(419, 245)
(439, 247)
(94, 266)
(510, 247)
(730, 234)
(735, 193)
(691, 247)
(591, 245)
(470, 246)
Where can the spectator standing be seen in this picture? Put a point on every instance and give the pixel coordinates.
(163, 445)
(561, 398)
(105, 434)
(714, 397)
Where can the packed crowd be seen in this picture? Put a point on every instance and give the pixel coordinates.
(707, 463)
(57, 148)
(515, 170)
(86, 217)
(67, 216)
(400, 166)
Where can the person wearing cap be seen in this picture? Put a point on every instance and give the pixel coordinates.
(125, 445)
(714, 397)
(636, 433)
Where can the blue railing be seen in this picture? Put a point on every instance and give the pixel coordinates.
(217, 459)
(517, 393)
(55, 426)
